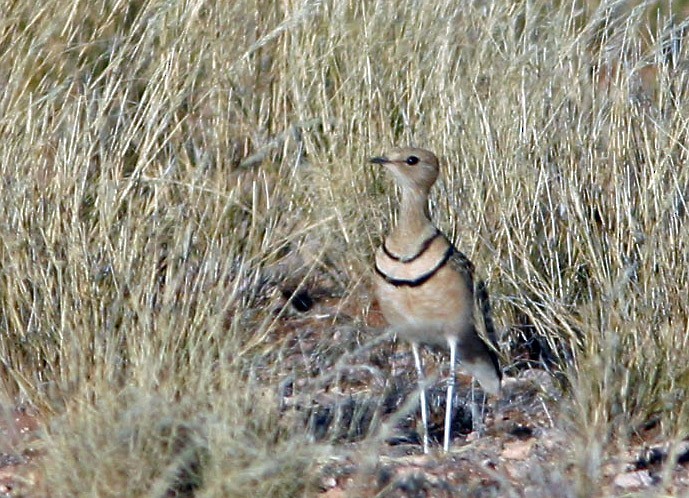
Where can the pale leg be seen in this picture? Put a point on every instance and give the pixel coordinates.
(476, 416)
(450, 393)
(422, 394)
(482, 425)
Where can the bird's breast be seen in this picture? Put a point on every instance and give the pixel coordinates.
(425, 296)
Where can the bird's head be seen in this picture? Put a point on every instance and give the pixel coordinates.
(415, 169)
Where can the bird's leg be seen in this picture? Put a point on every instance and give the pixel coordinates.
(422, 394)
(450, 394)
(476, 416)
(483, 413)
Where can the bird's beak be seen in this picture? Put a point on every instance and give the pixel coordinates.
(379, 160)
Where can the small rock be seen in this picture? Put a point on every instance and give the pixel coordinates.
(517, 450)
(639, 479)
(328, 483)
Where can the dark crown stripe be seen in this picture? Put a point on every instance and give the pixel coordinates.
(424, 247)
(399, 282)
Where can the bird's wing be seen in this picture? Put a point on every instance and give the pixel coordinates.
(464, 266)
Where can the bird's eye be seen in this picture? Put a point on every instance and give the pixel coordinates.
(412, 160)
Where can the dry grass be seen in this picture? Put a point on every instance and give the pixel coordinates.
(165, 165)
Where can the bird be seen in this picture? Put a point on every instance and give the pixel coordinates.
(425, 286)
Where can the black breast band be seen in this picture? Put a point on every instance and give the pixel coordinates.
(426, 244)
(398, 282)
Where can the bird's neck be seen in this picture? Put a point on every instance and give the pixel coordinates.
(413, 222)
